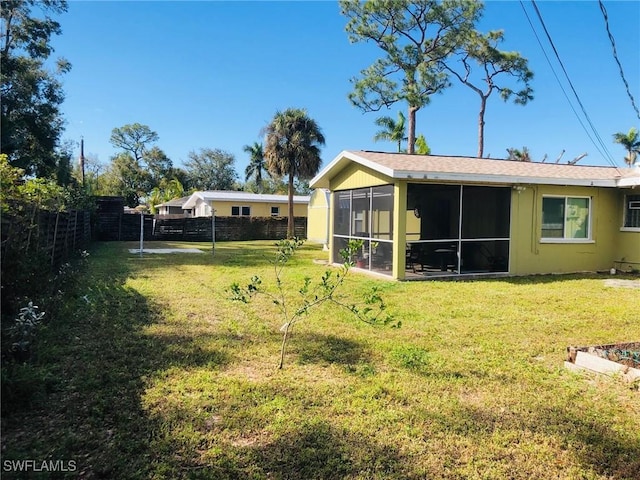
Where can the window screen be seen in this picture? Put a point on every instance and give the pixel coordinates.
(632, 211)
(566, 217)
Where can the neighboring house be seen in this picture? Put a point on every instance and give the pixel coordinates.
(173, 207)
(423, 215)
(244, 204)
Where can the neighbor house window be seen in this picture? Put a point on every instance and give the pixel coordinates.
(240, 211)
(566, 218)
(632, 211)
(275, 211)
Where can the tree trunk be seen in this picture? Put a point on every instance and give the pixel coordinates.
(285, 336)
(290, 223)
(483, 106)
(411, 140)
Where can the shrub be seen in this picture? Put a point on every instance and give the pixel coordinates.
(22, 332)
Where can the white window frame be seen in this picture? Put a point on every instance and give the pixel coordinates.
(627, 203)
(240, 208)
(277, 211)
(564, 239)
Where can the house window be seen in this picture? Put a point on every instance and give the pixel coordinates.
(566, 218)
(275, 211)
(632, 211)
(237, 211)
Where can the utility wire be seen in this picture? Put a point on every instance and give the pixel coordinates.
(535, 33)
(615, 56)
(584, 111)
(553, 70)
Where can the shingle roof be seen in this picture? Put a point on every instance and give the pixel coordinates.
(450, 168)
(176, 202)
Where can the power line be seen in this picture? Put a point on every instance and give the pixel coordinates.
(615, 56)
(564, 92)
(553, 71)
(584, 111)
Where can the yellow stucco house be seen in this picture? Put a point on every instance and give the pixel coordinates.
(430, 216)
(244, 204)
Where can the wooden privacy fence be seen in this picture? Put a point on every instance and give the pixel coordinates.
(50, 235)
(227, 228)
(126, 226)
(112, 223)
(123, 226)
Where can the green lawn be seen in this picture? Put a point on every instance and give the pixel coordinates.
(157, 374)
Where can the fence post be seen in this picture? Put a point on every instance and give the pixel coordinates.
(55, 236)
(66, 237)
(213, 231)
(75, 229)
(141, 232)
(33, 214)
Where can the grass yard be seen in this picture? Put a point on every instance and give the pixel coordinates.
(151, 372)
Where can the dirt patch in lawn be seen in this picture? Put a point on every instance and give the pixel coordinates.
(618, 282)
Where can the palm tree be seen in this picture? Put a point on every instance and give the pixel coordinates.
(156, 198)
(256, 164)
(519, 155)
(292, 148)
(631, 142)
(392, 131)
(167, 190)
(172, 189)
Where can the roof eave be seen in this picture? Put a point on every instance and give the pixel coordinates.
(502, 179)
(191, 201)
(629, 182)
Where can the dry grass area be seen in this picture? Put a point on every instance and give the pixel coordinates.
(152, 372)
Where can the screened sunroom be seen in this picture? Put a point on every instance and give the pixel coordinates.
(458, 229)
(450, 229)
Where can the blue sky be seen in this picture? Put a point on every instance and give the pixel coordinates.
(211, 74)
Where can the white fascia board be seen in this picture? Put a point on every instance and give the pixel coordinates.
(389, 172)
(192, 200)
(510, 180)
(232, 196)
(242, 197)
(320, 176)
(298, 200)
(629, 182)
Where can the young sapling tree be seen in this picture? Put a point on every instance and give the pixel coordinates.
(372, 309)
